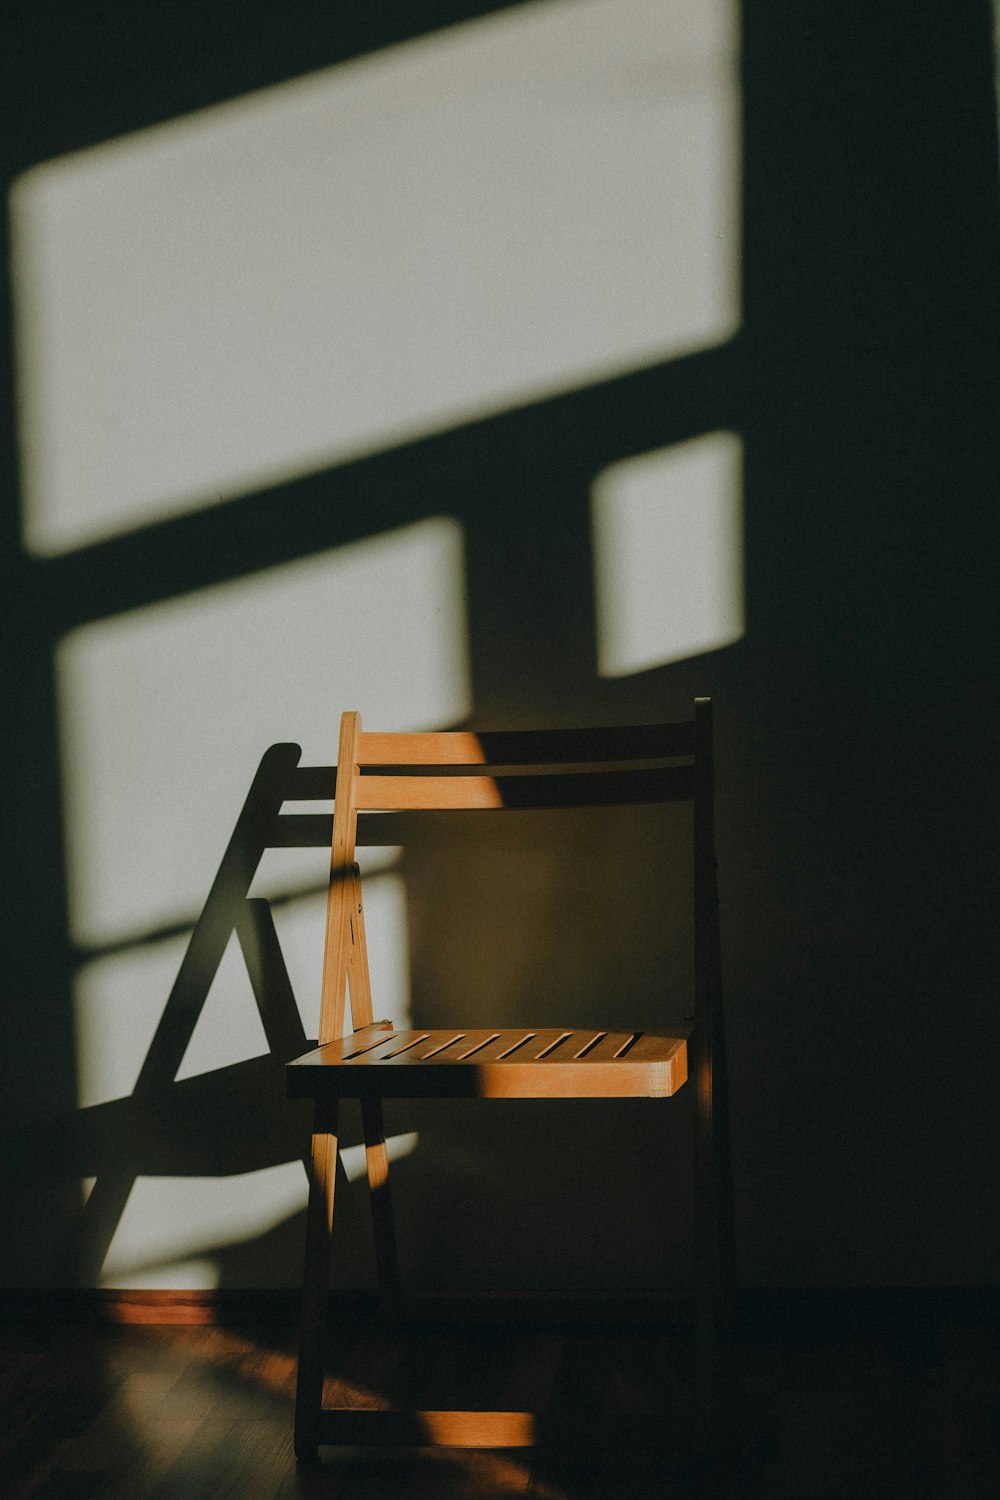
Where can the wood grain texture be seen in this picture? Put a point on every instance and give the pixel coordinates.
(407, 793)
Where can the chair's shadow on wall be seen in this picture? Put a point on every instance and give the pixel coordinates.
(509, 923)
(218, 1123)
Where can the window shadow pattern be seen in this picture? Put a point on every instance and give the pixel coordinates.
(864, 387)
(526, 532)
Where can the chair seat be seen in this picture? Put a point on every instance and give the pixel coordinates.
(492, 1064)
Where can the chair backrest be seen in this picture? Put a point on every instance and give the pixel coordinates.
(508, 770)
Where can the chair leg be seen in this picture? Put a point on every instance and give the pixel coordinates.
(319, 1231)
(377, 1161)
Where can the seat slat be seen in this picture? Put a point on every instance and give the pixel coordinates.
(600, 1046)
(474, 1043)
(451, 1046)
(360, 1043)
(399, 1050)
(515, 1041)
(649, 1046)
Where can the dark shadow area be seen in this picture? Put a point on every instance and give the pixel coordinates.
(871, 282)
(856, 720)
(824, 1396)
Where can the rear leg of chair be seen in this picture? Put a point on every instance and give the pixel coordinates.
(319, 1231)
(377, 1159)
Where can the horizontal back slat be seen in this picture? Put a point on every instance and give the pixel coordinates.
(398, 793)
(445, 749)
(511, 753)
(527, 747)
(587, 789)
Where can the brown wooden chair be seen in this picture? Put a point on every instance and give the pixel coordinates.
(374, 1061)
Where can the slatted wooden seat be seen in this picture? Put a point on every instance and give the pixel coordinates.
(386, 773)
(374, 1063)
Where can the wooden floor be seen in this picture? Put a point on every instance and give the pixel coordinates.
(817, 1407)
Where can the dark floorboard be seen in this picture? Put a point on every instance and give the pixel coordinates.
(814, 1406)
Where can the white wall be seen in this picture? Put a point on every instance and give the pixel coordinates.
(455, 226)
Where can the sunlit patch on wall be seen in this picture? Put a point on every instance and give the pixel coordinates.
(397, 1146)
(117, 1004)
(668, 548)
(197, 1274)
(171, 1225)
(228, 1029)
(522, 203)
(165, 712)
(118, 999)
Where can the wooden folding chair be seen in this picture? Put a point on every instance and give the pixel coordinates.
(374, 1061)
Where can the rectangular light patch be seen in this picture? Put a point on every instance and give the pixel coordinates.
(668, 548)
(165, 712)
(442, 229)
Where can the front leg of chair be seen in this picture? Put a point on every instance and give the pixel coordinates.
(319, 1232)
(377, 1161)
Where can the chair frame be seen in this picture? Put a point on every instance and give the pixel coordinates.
(397, 772)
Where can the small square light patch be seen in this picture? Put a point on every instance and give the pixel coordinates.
(668, 554)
